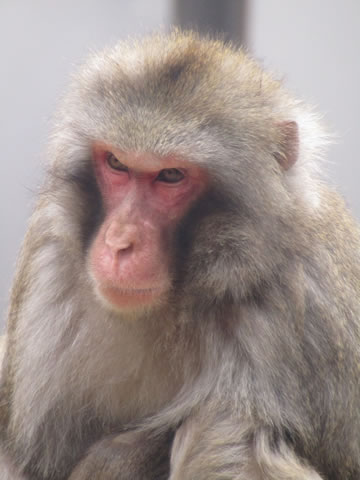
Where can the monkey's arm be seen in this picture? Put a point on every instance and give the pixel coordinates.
(226, 449)
(128, 456)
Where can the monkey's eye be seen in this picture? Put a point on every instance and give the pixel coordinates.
(114, 163)
(170, 175)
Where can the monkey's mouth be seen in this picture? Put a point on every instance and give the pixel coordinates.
(124, 298)
(137, 291)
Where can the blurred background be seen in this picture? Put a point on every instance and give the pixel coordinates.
(313, 45)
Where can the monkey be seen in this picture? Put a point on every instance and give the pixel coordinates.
(186, 301)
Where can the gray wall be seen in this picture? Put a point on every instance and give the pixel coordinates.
(315, 47)
(315, 43)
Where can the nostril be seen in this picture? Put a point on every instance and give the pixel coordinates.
(120, 238)
(119, 245)
(123, 246)
(127, 249)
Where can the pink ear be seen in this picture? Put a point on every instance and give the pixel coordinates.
(289, 146)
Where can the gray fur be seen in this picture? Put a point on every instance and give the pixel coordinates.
(251, 370)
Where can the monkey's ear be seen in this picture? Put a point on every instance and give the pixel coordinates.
(289, 145)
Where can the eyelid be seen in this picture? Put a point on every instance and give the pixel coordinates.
(121, 166)
(181, 171)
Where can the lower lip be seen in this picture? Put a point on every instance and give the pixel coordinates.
(130, 298)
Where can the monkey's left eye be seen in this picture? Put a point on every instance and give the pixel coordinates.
(114, 163)
(170, 175)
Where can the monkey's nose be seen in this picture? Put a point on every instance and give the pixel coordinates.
(120, 237)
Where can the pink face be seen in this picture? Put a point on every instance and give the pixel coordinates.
(144, 198)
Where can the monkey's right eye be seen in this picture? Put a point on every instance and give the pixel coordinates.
(114, 163)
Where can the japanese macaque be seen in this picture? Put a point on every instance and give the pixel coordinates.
(187, 301)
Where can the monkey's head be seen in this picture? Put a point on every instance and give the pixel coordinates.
(183, 161)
